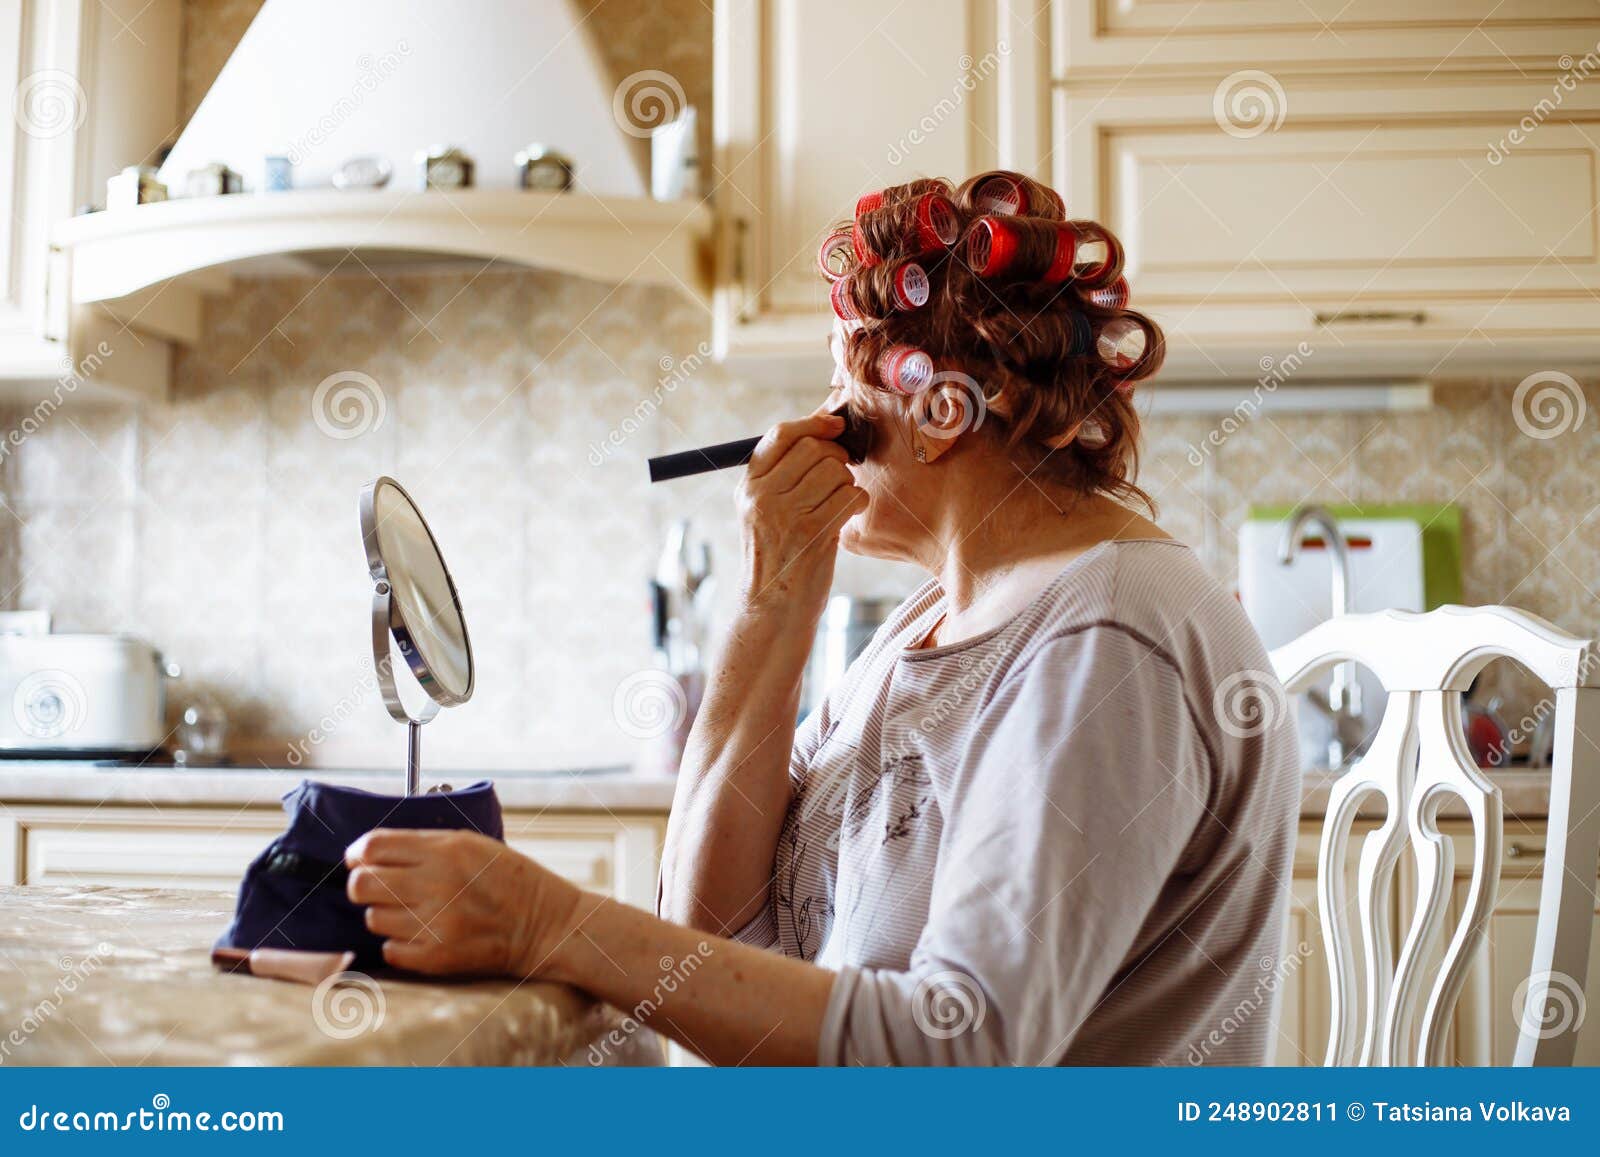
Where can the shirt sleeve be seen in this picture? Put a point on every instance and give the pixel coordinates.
(1072, 803)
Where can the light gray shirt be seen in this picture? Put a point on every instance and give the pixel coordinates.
(1065, 841)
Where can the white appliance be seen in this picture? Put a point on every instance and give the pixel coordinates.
(100, 696)
(1285, 601)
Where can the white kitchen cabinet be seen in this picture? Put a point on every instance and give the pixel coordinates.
(94, 87)
(209, 848)
(819, 101)
(1114, 38)
(1385, 222)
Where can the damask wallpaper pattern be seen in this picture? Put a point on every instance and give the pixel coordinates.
(222, 524)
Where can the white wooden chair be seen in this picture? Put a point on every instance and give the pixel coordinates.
(1418, 758)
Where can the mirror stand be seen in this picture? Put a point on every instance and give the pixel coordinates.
(415, 610)
(413, 757)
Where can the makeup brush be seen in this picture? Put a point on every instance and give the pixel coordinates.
(856, 439)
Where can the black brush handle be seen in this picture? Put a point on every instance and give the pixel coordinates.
(686, 462)
(856, 438)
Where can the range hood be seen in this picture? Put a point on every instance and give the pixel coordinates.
(326, 82)
(323, 82)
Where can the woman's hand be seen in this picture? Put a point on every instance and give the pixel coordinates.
(459, 902)
(796, 495)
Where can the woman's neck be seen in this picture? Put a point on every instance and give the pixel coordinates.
(993, 554)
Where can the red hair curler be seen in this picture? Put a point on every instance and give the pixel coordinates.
(882, 232)
(833, 256)
(843, 299)
(1007, 194)
(1113, 296)
(937, 223)
(903, 287)
(1001, 195)
(867, 202)
(1099, 258)
(1064, 262)
(905, 369)
(1004, 246)
(991, 247)
(909, 286)
(1126, 345)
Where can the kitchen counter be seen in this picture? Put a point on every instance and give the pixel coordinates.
(1526, 793)
(74, 781)
(118, 976)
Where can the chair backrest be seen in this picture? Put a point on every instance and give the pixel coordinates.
(1418, 759)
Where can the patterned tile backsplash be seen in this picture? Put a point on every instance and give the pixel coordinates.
(222, 526)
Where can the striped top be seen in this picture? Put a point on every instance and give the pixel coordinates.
(1064, 841)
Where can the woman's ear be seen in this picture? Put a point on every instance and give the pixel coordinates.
(942, 413)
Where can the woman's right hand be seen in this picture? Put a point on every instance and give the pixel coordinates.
(733, 785)
(797, 494)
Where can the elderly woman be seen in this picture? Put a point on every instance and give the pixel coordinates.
(1028, 827)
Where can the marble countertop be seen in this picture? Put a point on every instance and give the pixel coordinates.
(1526, 793)
(74, 781)
(123, 976)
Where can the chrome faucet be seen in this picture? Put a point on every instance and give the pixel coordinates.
(1343, 701)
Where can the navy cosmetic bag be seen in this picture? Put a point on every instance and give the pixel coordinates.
(293, 894)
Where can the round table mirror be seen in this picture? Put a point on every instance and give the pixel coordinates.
(416, 614)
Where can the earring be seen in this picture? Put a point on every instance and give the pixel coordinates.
(921, 452)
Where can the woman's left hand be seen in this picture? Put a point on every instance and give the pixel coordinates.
(458, 902)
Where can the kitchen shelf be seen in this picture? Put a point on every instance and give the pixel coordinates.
(155, 261)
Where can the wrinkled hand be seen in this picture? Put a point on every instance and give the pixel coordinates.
(796, 495)
(458, 902)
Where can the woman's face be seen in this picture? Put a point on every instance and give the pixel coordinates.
(899, 488)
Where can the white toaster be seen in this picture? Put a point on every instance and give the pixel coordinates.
(99, 696)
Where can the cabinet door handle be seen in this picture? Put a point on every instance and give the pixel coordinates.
(741, 245)
(57, 294)
(1325, 318)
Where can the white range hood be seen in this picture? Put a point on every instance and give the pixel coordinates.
(324, 82)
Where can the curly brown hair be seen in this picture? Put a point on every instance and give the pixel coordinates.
(992, 282)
